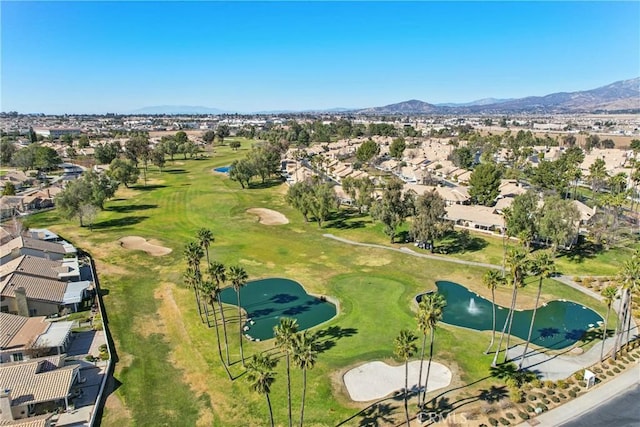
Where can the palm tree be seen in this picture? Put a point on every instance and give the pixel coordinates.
(218, 273)
(285, 336)
(518, 265)
(192, 280)
(405, 348)
(492, 279)
(305, 352)
(515, 261)
(609, 294)
(429, 314)
(193, 253)
(630, 280)
(261, 377)
(238, 277)
(212, 291)
(205, 236)
(543, 266)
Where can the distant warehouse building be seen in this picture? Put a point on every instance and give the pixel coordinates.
(56, 132)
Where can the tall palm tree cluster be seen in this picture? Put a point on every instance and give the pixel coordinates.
(429, 314)
(300, 347)
(208, 285)
(207, 282)
(519, 264)
(629, 281)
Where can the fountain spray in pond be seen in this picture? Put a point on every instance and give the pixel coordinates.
(473, 308)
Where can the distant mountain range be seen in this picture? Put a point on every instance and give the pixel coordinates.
(619, 96)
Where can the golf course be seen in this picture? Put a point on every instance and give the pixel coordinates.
(168, 372)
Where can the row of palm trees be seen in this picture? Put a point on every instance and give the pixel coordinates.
(299, 347)
(208, 288)
(519, 264)
(429, 314)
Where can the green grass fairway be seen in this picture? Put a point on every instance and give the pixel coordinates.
(168, 372)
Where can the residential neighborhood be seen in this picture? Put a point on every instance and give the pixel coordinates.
(53, 352)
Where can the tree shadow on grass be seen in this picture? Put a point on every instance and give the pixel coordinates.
(584, 250)
(264, 185)
(377, 414)
(130, 208)
(327, 337)
(119, 222)
(149, 187)
(175, 171)
(460, 241)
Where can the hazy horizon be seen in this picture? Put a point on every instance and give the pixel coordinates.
(97, 57)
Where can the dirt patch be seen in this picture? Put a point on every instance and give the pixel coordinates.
(268, 216)
(117, 414)
(141, 244)
(372, 261)
(190, 362)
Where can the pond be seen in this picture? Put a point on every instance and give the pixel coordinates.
(267, 300)
(559, 324)
(223, 169)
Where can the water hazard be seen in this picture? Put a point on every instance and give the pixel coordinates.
(559, 324)
(267, 300)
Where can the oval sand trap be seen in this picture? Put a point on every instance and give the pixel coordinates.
(268, 216)
(141, 244)
(375, 380)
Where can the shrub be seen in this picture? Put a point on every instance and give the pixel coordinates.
(516, 395)
(510, 416)
(582, 384)
(550, 392)
(616, 370)
(576, 389)
(536, 383)
(493, 422)
(562, 396)
(90, 358)
(609, 373)
(550, 384)
(562, 384)
(523, 415)
(104, 355)
(530, 408)
(504, 422)
(102, 348)
(579, 375)
(532, 397)
(555, 399)
(543, 407)
(573, 394)
(546, 401)
(597, 370)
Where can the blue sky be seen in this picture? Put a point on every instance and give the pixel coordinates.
(119, 56)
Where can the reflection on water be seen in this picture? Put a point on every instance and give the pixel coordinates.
(269, 299)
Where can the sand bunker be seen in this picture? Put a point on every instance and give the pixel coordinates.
(375, 380)
(269, 217)
(141, 244)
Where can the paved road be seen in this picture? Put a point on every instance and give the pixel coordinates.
(621, 411)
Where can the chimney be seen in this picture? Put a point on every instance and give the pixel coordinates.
(21, 301)
(5, 405)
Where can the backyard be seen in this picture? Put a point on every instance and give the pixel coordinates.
(168, 372)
